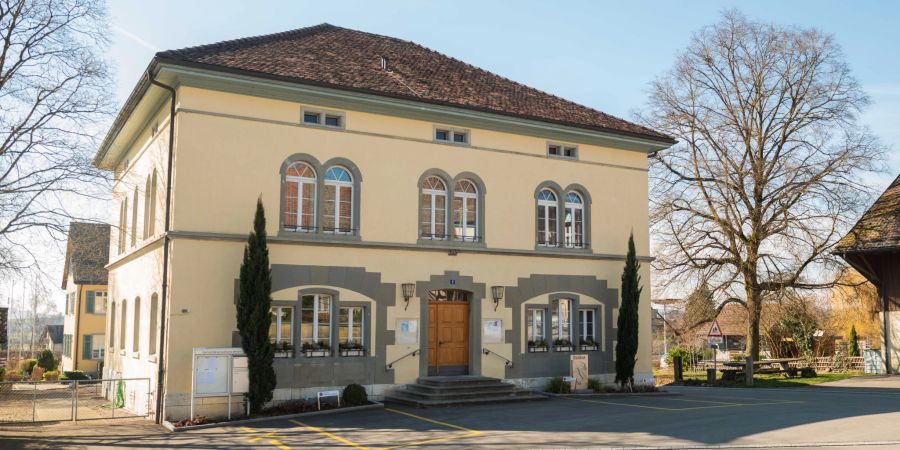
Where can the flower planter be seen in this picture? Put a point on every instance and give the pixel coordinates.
(537, 349)
(589, 348)
(284, 354)
(353, 352)
(316, 353)
(562, 348)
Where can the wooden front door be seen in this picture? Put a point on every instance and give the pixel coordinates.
(448, 338)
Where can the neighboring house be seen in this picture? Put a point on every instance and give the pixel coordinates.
(872, 247)
(732, 320)
(85, 283)
(419, 212)
(52, 339)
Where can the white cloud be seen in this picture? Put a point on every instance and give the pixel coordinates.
(136, 39)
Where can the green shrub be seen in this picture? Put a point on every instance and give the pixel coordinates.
(26, 365)
(73, 375)
(46, 361)
(688, 356)
(354, 395)
(2, 373)
(556, 385)
(51, 375)
(594, 385)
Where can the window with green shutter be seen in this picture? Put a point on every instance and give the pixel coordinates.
(90, 302)
(86, 347)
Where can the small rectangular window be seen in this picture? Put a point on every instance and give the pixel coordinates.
(442, 135)
(536, 326)
(562, 151)
(333, 121)
(587, 333)
(97, 351)
(311, 118)
(459, 138)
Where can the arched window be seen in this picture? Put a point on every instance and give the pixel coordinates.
(465, 211)
(152, 209)
(147, 189)
(154, 306)
(112, 325)
(300, 198)
(547, 206)
(434, 209)
(136, 327)
(337, 214)
(123, 223)
(122, 321)
(134, 218)
(574, 221)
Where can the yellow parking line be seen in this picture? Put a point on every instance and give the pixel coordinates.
(429, 441)
(473, 432)
(270, 436)
(696, 401)
(332, 436)
(659, 408)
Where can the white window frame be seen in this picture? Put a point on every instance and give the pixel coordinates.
(100, 299)
(300, 182)
(583, 323)
(322, 115)
(433, 195)
(546, 205)
(361, 339)
(315, 323)
(556, 308)
(562, 150)
(570, 238)
(97, 346)
(537, 330)
(276, 313)
(337, 200)
(464, 213)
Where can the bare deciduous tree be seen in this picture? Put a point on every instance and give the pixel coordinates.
(55, 98)
(768, 170)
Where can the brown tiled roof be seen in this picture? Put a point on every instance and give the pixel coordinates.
(87, 253)
(879, 227)
(341, 58)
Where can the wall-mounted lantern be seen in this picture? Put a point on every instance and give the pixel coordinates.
(409, 290)
(497, 295)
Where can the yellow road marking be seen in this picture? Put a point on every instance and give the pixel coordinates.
(270, 436)
(475, 432)
(332, 436)
(697, 401)
(429, 441)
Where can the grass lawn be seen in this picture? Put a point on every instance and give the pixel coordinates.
(759, 380)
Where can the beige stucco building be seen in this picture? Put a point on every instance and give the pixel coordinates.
(85, 285)
(383, 166)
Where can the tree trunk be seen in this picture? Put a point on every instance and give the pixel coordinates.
(754, 311)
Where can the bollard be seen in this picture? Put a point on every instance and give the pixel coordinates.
(676, 366)
(711, 377)
(748, 371)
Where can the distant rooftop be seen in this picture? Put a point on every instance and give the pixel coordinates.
(878, 228)
(87, 253)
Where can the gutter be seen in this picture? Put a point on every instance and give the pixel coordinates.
(160, 349)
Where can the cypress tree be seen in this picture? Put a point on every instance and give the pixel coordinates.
(627, 338)
(253, 319)
(853, 349)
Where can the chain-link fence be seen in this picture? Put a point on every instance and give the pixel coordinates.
(45, 401)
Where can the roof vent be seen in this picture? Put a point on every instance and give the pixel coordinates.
(384, 64)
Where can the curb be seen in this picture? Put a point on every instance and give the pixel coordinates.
(374, 405)
(613, 394)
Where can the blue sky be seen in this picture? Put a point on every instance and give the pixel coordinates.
(601, 54)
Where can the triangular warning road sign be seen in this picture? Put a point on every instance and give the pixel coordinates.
(714, 330)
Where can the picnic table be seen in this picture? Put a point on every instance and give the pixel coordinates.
(734, 370)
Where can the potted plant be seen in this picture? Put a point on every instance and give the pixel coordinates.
(352, 349)
(589, 345)
(537, 346)
(316, 349)
(562, 345)
(283, 349)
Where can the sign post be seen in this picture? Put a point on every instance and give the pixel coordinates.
(715, 338)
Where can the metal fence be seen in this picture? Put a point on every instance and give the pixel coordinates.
(48, 401)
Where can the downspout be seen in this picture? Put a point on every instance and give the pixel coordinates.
(75, 339)
(161, 351)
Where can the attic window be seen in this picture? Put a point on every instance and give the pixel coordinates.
(326, 119)
(562, 151)
(385, 65)
(451, 136)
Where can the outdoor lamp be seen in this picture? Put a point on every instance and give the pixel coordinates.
(497, 295)
(409, 289)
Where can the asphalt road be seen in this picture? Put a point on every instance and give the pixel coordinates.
(812, 417)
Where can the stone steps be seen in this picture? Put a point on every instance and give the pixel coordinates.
(459, 390)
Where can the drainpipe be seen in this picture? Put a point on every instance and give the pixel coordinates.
(75, 340)
(161, 352)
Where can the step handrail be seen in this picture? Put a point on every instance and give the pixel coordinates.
(390, 365)
(488, 351)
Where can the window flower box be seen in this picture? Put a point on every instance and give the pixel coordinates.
(537, 346)
(589, 346)
(562, 345)
(316, 350)
(352, 349)
(283, 350)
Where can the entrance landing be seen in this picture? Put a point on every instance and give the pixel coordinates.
(459, 390)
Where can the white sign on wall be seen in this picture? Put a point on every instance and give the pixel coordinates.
(219, 372)
(493, 331)
(407, 332)
(578, 365)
